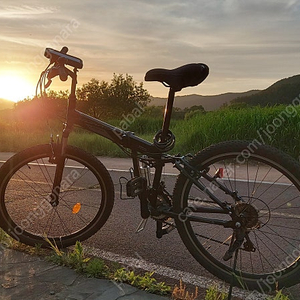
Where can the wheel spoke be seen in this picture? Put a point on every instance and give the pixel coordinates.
(268, 196)
(84, 203)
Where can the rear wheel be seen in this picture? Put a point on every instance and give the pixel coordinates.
(85, 199)
(267, 181)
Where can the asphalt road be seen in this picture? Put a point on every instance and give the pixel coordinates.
(118, 239)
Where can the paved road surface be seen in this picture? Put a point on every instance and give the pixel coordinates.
(118, 240)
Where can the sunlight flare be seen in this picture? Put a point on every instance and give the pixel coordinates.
(15, 88)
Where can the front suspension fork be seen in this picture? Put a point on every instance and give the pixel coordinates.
(59, 159)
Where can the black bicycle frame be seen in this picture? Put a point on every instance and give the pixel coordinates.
(115, 134)
(129, 140)
(126, 139)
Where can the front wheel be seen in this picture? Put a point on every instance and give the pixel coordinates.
(267, 182)
(85, 199)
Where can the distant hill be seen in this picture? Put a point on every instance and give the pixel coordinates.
(283, 91)
(208, 102)
(6, 104)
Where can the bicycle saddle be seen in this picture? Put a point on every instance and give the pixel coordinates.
(179, 78)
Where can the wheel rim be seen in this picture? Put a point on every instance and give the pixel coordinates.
(26, 204)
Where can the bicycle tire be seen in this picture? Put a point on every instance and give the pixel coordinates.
(268, 180)
(85, 201)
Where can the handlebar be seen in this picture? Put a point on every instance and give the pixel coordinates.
(62, 55)
(59, 59)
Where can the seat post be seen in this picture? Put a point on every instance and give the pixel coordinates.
(167, 115)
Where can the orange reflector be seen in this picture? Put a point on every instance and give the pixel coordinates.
(76, 208)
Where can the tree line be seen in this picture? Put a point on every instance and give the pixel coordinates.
(100, 99)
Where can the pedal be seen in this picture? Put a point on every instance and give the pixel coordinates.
(168, 226)
(163, 228)
(141, 226)
(136, 186)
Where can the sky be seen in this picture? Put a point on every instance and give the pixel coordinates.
(247, 44)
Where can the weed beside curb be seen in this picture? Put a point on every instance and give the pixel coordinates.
(98, 268)
(95, 267)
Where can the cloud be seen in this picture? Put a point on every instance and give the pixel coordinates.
(247, 44)
(24, 11)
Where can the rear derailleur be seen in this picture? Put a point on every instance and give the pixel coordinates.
(244, 219)
(239, 236)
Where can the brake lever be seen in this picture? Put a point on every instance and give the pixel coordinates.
(48, 83)
(62, 72)
(54, 71)
(58, 69)
(63, 76)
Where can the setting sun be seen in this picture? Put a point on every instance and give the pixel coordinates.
(15, 88)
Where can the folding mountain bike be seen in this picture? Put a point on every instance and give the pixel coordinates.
(235, 204)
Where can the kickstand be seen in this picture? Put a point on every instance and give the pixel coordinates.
(233, 274)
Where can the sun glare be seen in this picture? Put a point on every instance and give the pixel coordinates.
(15, 88)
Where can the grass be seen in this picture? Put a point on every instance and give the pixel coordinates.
(279, 296)
(95, 267)
(278, 126)
(249, 123)
(145, 282)
(7, 242)
(213, 294)
(202, 130)
(78, 260)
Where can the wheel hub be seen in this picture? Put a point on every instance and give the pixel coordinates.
(248, 215)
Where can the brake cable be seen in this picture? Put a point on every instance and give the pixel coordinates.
(41, 82)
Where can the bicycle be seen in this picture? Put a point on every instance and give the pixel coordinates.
(234, 204)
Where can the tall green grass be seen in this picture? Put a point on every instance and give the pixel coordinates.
(278, 126)
(269, 125)
(95, 144)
